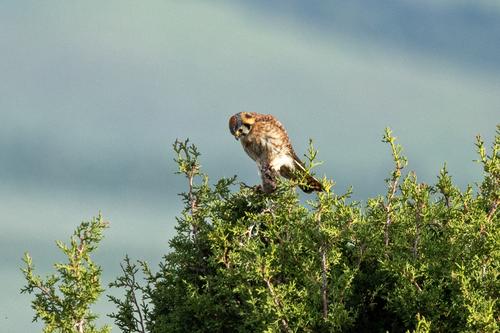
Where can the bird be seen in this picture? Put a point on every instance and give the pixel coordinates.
(266, 141)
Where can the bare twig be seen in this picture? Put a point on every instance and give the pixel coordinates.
(187, 160)
(493, 209)
(411, 278)
(46, 291)
(388, 206)
(393, 185)
(418, 221)
(192, 200)
(276, 299)
(324, 267)
(324, 289)
(416, 285)
(277, 302)
(132, 286)
(80, 325)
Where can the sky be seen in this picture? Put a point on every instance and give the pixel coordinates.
(93, 94)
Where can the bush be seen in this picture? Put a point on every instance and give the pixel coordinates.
(62, 300)
(418, 258)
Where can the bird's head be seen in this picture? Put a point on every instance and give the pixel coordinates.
(241, 124)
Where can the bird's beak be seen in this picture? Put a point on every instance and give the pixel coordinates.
(237, 136)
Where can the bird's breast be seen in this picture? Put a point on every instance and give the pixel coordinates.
(258, 146)
(268, 149)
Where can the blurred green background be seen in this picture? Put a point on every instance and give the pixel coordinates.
(93, 94)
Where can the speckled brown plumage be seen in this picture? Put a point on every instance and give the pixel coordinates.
(266, 141)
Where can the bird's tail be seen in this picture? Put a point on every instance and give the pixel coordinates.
(310, 184)
(306, 182)
(299, 173)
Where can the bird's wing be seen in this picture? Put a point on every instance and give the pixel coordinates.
(298, 163)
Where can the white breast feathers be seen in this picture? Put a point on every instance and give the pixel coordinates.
(281, 160)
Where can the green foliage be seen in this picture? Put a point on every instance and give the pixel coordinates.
(134, 310)
(420, 258)
(63, 299)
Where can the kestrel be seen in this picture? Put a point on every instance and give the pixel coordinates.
(265, 140)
